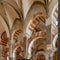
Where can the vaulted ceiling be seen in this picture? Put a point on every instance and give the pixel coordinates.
(14, 12)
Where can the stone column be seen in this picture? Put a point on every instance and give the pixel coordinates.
(11, 49)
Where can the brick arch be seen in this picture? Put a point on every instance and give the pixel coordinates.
(37, 35)
(16, 33)
(15, 50)
(32, 11)
(4, 39)
(17, 46)
(14, 37)
(32, 40)
(38, 18)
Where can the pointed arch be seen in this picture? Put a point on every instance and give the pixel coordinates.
(6, 26)
(37, 3)
(37, 19)
(19, 13)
